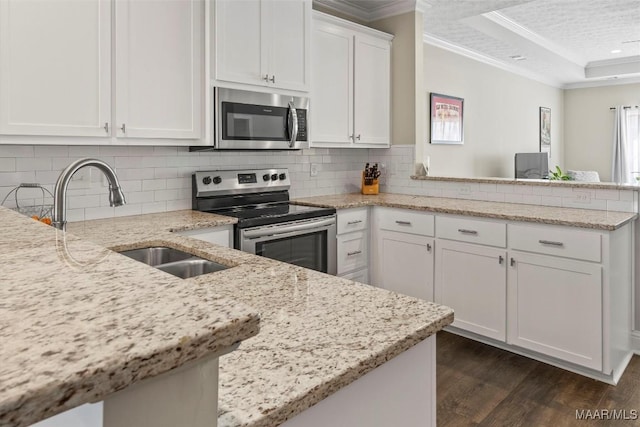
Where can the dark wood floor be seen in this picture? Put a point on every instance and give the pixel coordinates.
(479, 385)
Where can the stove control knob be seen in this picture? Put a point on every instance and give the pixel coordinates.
(206, 180)
(217, 180)
(274, 177)
(283, 176)
(266, 177)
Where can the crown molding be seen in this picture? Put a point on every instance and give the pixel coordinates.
(472, 54)
(603, 82)
(380, 12)
(502, 20)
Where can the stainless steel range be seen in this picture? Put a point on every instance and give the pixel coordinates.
(268, 225)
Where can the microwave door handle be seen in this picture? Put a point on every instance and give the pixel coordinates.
(293, 124)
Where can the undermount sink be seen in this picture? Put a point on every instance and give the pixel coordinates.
(174, 261)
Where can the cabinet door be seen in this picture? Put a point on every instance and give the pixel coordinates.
(159, 61)
(404, 263)
(289, 26)
(55, 67)
(555, 307)
(372, 90)
(239, 36)
(472, 279)
(332, 85)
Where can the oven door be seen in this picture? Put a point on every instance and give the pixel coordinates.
(252, 120)
(307, 243)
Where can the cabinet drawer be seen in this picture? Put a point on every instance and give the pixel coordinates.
(352, 220)
(352, 252)
(405, 221)
(578, 244)
(472, 231)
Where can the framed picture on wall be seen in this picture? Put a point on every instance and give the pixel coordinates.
(447, 113)
(545, 130)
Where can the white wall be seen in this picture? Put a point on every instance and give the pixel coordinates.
(588, 130)
(501, 116)
(158, 179)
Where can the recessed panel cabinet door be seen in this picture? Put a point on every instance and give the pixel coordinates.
(55, 67)
(472, 279)
(159, 61)
(405, 264)
(372, 90)
(239, 36)
(289, 27)
(332, 93)
(555, 307)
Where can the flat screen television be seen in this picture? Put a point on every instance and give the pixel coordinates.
(532, 166)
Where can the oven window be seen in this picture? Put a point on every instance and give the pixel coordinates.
(307, 250)
(254, 122)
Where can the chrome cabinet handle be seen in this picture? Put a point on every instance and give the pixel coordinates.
(358, 137)
(123, 128)
(500, 259)
(428, 247)
(266, 77)
(351, 137)
(106, 127)
(403, 222)
(513, 262)
(465, 231)
(551, 243)
(354, 253)
(293, 124)
(357, 221)
(273, 79)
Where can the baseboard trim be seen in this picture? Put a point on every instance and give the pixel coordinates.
(612, 379)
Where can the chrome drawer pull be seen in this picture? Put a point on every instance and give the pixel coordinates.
(353, 253)
(465, 231)
(358, 221)
(551, 243)
(403, 222)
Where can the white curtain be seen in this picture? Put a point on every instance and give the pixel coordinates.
(626, 145)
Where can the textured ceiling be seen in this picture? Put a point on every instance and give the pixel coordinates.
(589, 28)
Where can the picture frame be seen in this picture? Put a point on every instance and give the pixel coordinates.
(447, 119)
(545, 130)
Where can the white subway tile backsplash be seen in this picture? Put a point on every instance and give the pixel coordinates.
(7, 164)
(156, 179)
(33, 164)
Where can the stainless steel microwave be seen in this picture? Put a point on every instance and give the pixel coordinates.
(245, 120)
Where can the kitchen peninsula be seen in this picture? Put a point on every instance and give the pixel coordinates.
(320, 336)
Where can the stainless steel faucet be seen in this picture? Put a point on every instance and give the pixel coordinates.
(116, 198)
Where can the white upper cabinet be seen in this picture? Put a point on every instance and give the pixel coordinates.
(55, 67)
(372, 90)
(350, 85)
(263, 43)
(332, 118)
(159, 68)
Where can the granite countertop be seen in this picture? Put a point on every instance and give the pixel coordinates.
(79, 322)
(318, 333)
(585, 218)
(537, 182)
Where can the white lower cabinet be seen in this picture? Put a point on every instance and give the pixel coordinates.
(222, 235)
(405, 264)
(353, 244)
(472, 279)
(555, 307)
(403, 251)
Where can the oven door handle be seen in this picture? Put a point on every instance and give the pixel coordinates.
(293, 124)
(275, 231)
